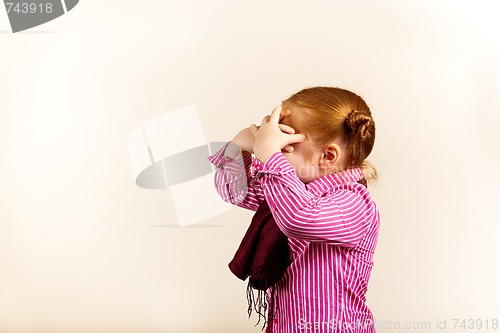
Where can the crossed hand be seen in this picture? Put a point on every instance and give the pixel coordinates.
(271, 136)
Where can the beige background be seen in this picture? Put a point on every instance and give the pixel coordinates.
(80, 249)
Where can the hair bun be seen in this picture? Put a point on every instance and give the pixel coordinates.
(358, 123)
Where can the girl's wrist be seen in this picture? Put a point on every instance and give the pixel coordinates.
(265, 154)
(243, 146)
(233, 150)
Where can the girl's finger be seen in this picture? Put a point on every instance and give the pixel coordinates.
(286, 129)
(288, 148)
(265, 120)
(285, 113)
(253, 129)
(275, 115)
(295, 138)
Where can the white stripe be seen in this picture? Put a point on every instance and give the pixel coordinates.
(64, 6)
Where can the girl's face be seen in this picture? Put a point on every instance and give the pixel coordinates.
(307, 169)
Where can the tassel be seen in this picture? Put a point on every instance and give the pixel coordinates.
(259, 304)
(263, 304)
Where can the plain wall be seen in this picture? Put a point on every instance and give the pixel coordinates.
(80, 245)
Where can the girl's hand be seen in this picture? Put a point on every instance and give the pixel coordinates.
(270, 138)
(245, 138)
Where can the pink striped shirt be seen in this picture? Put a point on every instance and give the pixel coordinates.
(332, 227)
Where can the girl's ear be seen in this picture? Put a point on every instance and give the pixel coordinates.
(330, 157)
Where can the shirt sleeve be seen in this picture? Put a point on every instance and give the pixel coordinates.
(340, 218)
(235, 180)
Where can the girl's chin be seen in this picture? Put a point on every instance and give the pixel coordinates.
(306, 174)
(306, 178)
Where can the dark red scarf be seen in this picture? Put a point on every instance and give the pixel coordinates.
(263, 256)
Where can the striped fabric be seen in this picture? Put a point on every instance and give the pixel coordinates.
(332, 227)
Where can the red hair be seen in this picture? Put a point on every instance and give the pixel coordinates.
(326, 114)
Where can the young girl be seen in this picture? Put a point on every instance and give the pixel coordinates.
(310, 167)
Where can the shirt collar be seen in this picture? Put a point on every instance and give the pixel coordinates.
(323, 184)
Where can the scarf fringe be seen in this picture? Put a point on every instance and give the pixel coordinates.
(263, 305)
